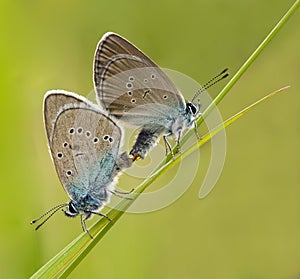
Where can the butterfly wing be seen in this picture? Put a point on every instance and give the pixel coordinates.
(84, 144)
(130, 85)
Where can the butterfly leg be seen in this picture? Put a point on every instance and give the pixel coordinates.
(119, 195)
(168, 147)
(83, 225)
(195, 123)
(124, 193)
(87, 216)
(100, 214)
(196, 130)
(178, 143)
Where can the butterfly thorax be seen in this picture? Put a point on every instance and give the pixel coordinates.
(183, 120)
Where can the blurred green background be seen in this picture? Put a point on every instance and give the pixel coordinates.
(248, 227)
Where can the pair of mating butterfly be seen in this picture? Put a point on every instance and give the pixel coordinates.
(85, 141)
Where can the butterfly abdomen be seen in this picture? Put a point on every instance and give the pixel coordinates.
(146, 139)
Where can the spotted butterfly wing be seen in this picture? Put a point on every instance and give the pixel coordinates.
(84, 144)
(131, 86)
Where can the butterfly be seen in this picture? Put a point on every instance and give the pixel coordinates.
(132, 88)
(84, 145)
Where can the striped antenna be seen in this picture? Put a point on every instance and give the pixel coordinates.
(211, 82)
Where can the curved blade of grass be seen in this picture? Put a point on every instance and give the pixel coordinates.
(65, 261)
(61, 265)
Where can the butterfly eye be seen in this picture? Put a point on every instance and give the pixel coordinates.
(69, 173)
(65, 144)
(72, 209)
(129, 93)
(72, 131)
(95, 140)
(191, 108)
(79, 130)
(165, 97)
(153, 76)
(131, 78)
(133, 101)
(145, 80)
(110, 140)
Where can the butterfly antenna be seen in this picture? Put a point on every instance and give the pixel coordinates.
(52, 211)
(211, 82)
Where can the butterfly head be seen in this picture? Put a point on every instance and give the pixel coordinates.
(86, 204)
